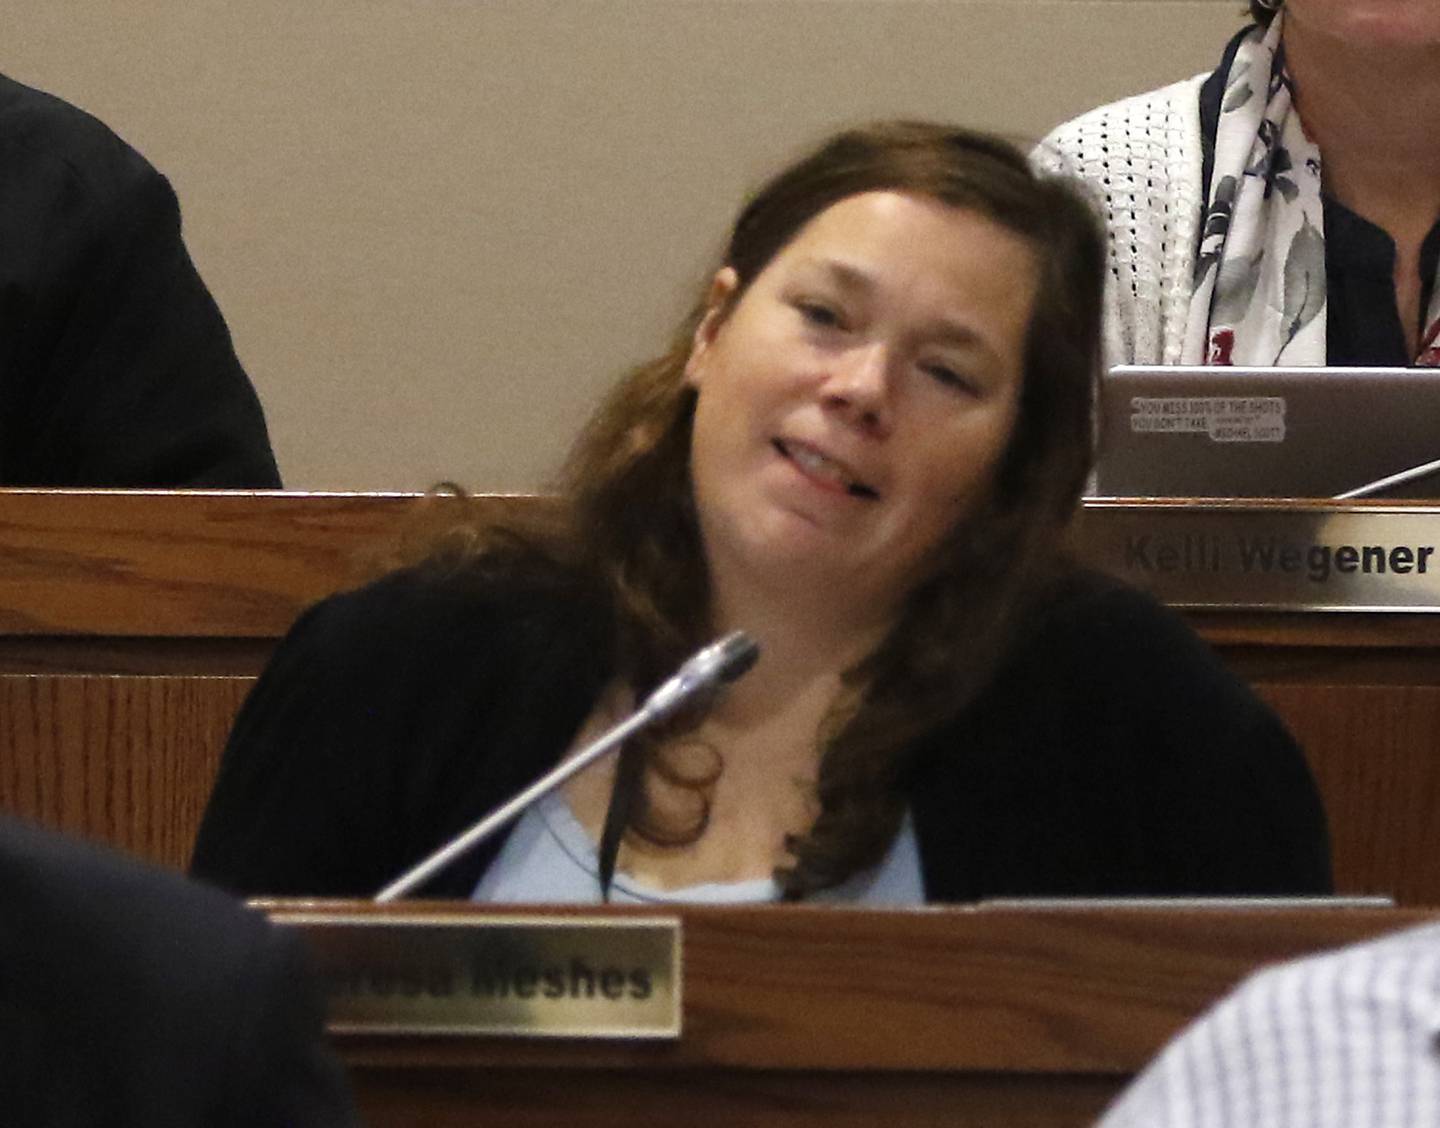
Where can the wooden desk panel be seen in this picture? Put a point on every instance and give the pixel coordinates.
(798, 1015)
(127, 760)
(726, 1098)
(130, 760)
(1375, 752)
(823, 988)
(207, 564)
(196, 587)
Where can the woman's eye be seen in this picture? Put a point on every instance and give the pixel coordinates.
(819, 314)
(949, 377)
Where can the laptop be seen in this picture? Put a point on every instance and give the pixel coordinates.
(1269, 432)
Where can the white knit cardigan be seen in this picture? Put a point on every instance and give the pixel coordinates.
(1142, 158)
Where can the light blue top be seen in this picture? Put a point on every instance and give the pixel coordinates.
(549, 858)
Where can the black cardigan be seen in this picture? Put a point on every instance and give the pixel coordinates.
(116, 368)
(1112, 755)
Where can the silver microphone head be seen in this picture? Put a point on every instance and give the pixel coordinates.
(731, 657)
(718, 664)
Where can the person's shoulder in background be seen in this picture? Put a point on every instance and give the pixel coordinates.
(1139, 126)
(52, 132)
(1346, 1039)
(131, 996)
(1141, 159)
(116, 366)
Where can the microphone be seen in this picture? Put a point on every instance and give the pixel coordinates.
(1380, 485)
(712, 668)
(709, 670)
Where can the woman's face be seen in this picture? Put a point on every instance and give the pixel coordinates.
(1395, 24)
(854, 402)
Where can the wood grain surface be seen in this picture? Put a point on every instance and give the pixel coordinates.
(796, 1014)
(131, 625)
(189, 563)
(726, 1098)
(233, 564)
(221, 564)
(1375, 752)
(129, 759)
(1084, 990)
(132, 619)
(125, 760)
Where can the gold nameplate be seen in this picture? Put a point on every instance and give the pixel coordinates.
(554, 977)
(1333, 557)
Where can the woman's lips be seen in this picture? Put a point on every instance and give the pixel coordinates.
(824, 468)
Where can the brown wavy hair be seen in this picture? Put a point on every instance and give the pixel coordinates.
(631, 518)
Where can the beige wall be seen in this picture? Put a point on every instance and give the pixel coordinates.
(439, 227)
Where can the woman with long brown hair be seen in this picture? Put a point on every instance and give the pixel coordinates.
(863, 448)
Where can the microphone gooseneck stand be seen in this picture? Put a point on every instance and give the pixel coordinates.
(716, 665)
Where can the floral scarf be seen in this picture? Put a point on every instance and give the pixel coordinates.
(1260, 274)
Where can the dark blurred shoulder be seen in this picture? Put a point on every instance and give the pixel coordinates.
(90, 915)
(39, 130)
(136, 996)
(39, 867)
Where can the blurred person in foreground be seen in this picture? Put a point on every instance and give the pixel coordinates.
(1285, 209)
(130, 996)
(116, 367)
(1348, 1039)
(864, 448)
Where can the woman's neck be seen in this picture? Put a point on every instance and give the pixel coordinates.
(806, 645)
(765, 730)
(1372, 110)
